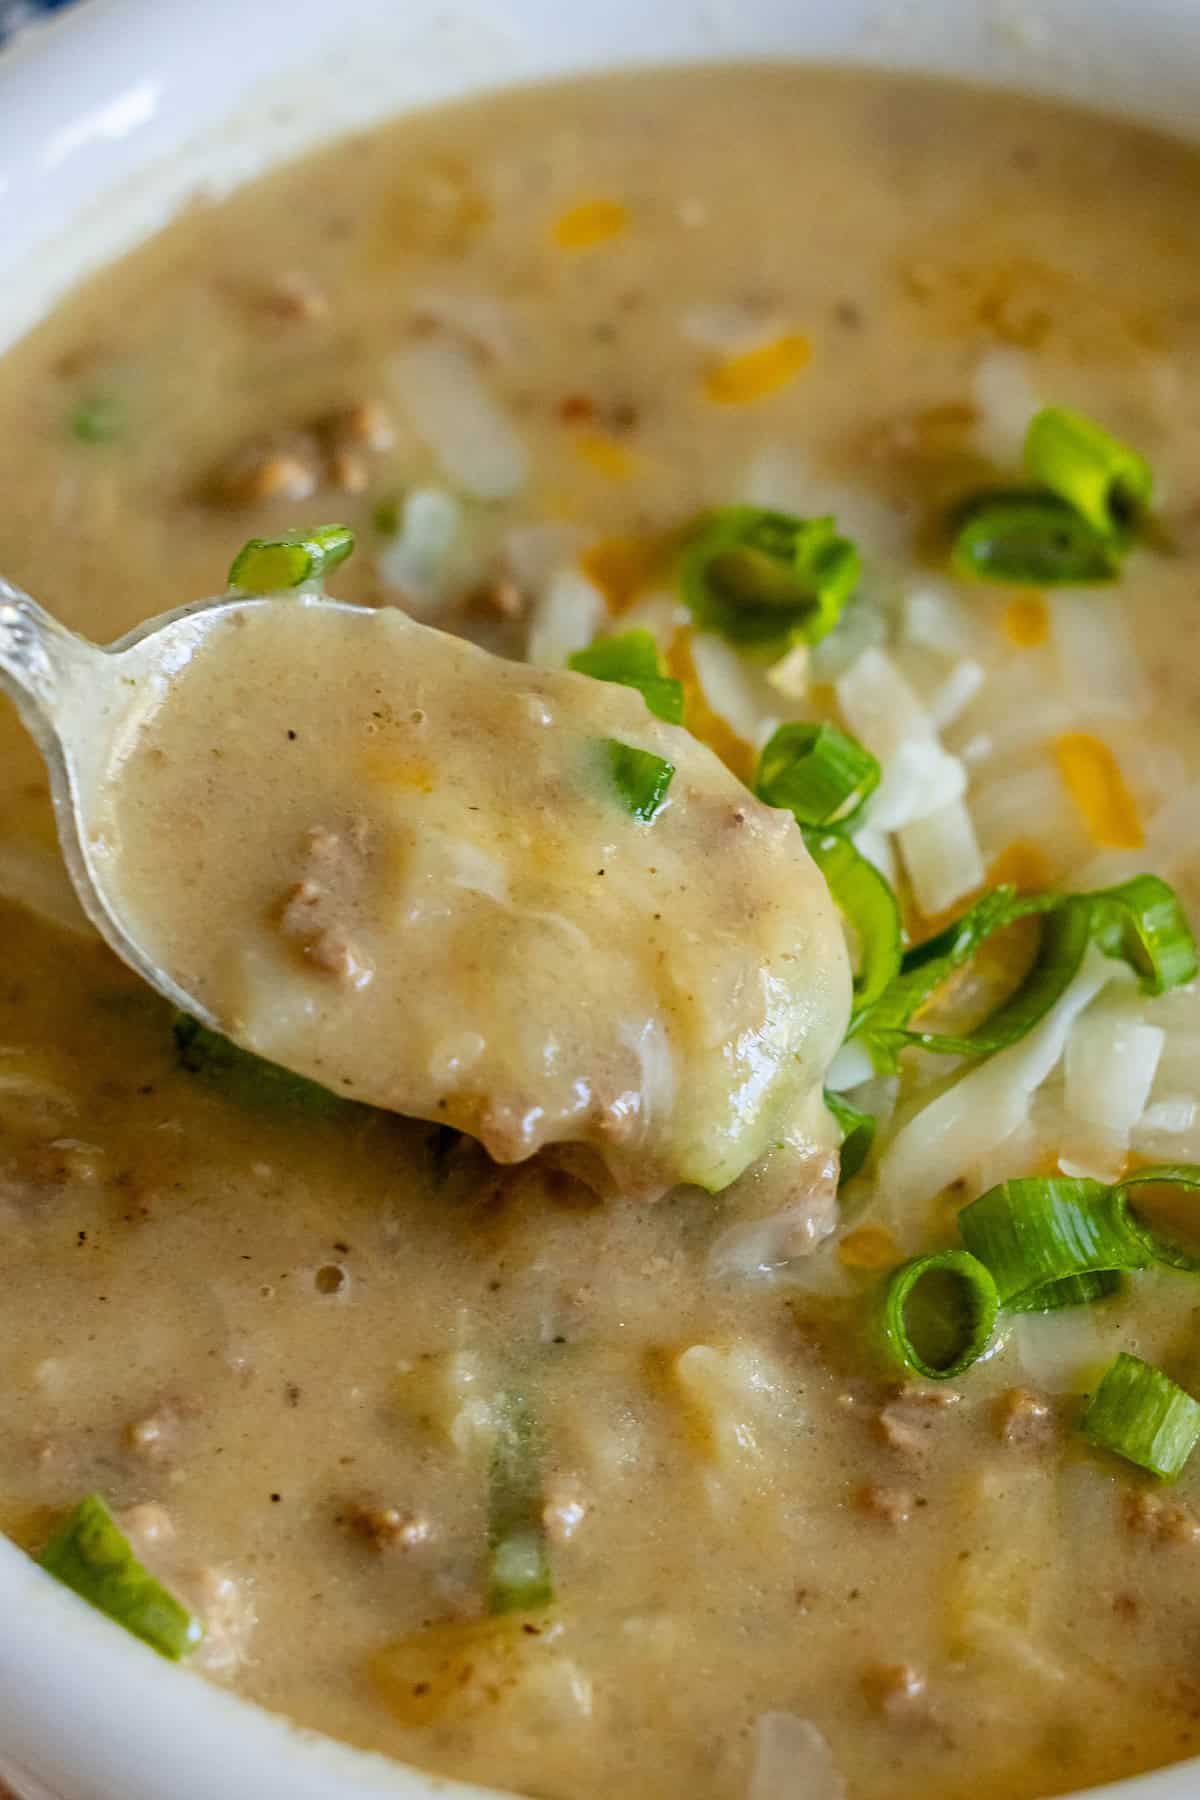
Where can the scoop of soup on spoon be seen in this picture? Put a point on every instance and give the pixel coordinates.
(508, 900)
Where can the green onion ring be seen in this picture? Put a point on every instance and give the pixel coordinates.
(1156, 1248)
(979, 1312)
(858, 1134)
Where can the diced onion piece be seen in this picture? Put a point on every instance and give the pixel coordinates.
(876, 846)
(424, 558)
(1173, 1115)
(948, 1136)
(1006, 401)
(792, 1761)
(879, 705)
(933, 619)
(1110, 1064)
(1098, 660)
(942, 856)
(921, 778)
(790, 675)
(735, 689)
(850, 1067)
(453, 410)
(569, 614)
(953, 695)
(1094, 781)
(1061, 1352)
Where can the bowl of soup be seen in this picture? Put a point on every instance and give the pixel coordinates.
(828, 377)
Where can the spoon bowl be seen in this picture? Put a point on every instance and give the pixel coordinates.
(84, 705)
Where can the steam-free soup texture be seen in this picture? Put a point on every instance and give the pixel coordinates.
(570, 1491)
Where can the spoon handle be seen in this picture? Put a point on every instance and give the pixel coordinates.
(39, 658)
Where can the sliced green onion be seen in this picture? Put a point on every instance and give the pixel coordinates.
(272, 565)
(762, 577)
(1035, 1233)
(640, 777)
(868, 904)
(1140, 923)
(1106, 482)
(1155, 1240)
(1141, 1414)
(250, 1079)
(92, 1556)
(858, 1134)
(1072, 1290)
(519, 1571)
(632, 660)
(817, 773)
(98, 420)
(939, 1313)
(1030, 539)
(386, 516)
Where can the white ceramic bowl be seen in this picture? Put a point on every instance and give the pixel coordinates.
(109, 118)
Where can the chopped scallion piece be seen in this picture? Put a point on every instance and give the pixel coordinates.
(1030, 539)
(98, 420)
(869, 906)
(939, 1313)
(858, 1134)
(519, 1573)
(641, 778)
(632, 660)
(1140, 923)
(92, 1556)
(1036, 1233)
(1141, 1414)
(272, 565)
(817, 773)
(1106, 482)
(767, 577)
(250, 1079)
(1149, 1202)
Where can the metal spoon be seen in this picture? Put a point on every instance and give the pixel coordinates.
(84, 704)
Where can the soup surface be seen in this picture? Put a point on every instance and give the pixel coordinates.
(297, 1343)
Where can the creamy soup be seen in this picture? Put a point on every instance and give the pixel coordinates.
(577, 1492)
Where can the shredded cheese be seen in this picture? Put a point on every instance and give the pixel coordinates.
(1096, 785)
(608, 456)
(1027, 621)
(590, 223)
(755, 374)
(624, 567)
(870, 1247)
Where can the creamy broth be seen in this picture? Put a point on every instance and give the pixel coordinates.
(278, 1335)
